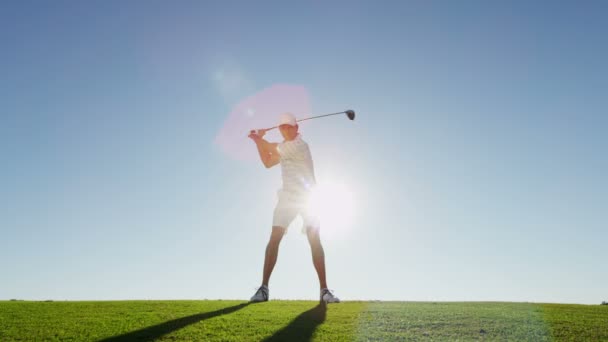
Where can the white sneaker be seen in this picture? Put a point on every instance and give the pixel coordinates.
(328, 297)
(261, 295)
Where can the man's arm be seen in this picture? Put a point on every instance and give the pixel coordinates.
(268, 151)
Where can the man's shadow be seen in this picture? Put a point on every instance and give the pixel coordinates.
(302, 327)
(156, 331)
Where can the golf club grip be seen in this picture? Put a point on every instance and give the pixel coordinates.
(266, 129)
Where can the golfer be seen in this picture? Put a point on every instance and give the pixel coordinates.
(298, 179)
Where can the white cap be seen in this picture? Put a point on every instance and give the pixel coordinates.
(287, 119)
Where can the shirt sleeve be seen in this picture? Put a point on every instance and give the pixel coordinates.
(287, 150)
(279, 149)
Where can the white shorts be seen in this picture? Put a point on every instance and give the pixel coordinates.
(290, 205)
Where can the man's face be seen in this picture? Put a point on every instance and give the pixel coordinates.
(289, 132)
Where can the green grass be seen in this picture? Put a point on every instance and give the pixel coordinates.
(299, 321)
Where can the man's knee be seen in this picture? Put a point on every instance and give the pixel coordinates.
(314, 237)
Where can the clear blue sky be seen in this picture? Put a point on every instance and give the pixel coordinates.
(477, 161)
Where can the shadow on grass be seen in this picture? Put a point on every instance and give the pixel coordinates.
(302, 327)
(156, 331)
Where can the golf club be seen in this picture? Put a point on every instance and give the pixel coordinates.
(349, 113)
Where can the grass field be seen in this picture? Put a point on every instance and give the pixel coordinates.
(300, 321)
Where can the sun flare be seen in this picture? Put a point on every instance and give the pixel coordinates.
(334, 204)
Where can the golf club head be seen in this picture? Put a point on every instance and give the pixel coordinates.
(350, 113)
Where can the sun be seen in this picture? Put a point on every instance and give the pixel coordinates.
(334, 204)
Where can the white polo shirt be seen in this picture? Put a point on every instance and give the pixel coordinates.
(296, 166)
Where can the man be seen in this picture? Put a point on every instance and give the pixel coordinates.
(298, 179)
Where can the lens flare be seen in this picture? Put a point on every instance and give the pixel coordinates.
(259, 110)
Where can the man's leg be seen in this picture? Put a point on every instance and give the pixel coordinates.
(318, 255)
(272, 251)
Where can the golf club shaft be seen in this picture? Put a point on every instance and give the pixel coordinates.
(312, 117)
